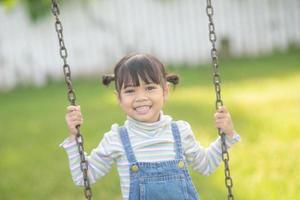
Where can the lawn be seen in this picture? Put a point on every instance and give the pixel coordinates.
(263, 95)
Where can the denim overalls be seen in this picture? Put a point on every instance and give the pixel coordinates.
(165, 180)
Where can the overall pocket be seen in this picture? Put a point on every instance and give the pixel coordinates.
(168, 187)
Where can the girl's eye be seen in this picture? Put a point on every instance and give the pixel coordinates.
(129, 91)
(150, 88)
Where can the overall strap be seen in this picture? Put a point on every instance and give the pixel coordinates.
(177, 139)
(127, 145)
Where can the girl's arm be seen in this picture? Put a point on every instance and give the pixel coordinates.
(203, 160)
(101, 158)
(99, 161)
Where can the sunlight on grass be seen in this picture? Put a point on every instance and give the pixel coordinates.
(263, 96)
(266, 113)
(265, 92)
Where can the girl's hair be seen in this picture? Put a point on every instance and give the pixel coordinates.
(138, 65)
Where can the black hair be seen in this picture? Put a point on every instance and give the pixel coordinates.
(138, 65)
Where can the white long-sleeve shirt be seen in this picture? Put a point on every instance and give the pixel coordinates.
(151, 142)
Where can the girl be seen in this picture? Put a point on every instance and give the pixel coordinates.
(152, 152)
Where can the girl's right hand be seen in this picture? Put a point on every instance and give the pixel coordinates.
(73, 119)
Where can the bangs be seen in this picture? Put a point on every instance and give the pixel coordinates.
(149, 71)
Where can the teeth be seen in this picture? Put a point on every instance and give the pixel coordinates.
(142, 109)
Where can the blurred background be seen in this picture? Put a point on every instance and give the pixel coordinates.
(259, 48)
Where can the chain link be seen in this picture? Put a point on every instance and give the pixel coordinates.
(219, 102)
(71, 96)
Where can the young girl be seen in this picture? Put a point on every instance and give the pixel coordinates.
(151, 150)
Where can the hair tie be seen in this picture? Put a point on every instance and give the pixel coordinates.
(107, 79)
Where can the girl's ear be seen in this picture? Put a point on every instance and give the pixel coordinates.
(117, 96)
(166, 91)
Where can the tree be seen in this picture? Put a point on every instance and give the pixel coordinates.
(36, 9)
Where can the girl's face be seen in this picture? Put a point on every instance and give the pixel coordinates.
(143, 102)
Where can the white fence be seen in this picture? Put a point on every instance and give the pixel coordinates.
(98, 33)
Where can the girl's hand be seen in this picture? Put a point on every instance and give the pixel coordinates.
(73, 119)
(224, 122)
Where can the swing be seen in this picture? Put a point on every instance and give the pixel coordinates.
(72, 98)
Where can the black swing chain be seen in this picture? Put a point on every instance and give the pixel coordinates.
(219, 102)
(71, 96)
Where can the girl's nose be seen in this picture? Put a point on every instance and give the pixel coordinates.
(141, 96)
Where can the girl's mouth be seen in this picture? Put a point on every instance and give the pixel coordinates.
(142, 109)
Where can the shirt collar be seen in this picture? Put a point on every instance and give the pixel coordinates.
(148, 128)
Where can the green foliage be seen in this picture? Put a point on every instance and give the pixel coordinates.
(35, 8)
(8, 3)
(262, 95)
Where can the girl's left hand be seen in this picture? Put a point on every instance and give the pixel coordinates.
(224, 122)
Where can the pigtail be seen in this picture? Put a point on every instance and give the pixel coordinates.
(107, 79)
(172, 78)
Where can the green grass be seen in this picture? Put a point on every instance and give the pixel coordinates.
(262, 94)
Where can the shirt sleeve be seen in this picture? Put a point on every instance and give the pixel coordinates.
(203, 160)
(99, 161)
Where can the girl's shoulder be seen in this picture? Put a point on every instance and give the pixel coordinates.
(111, 142)
(186, 133)
(183, 125)
(113, 132)
(184, 128)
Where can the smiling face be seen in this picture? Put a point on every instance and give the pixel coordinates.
(141, 86)
(143, 102)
